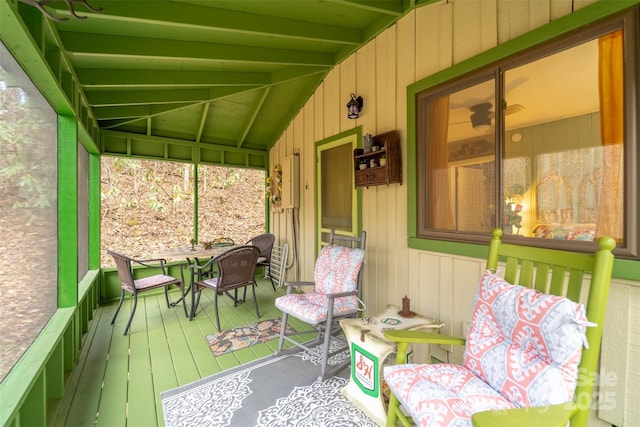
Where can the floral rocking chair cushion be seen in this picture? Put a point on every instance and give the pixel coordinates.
(522, 350)
(336, 271)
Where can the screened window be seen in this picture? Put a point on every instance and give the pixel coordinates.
(231, 203)
(539, 145)
(148, 205)
(28, 211)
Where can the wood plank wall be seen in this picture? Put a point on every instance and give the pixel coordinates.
(427, 40)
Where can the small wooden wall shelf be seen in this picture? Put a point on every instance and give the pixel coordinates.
(374, 173)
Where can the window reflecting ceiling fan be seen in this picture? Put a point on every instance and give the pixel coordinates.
(481, 115)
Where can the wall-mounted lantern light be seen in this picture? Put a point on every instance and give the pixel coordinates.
(354, 106)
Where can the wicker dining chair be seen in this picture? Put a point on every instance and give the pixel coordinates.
(124, 265)
(235, 270)
(265, 243)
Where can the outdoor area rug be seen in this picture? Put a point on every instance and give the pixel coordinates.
(274, 391)
(244, 336)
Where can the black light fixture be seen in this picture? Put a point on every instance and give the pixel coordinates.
(354, 106)
(481, 116)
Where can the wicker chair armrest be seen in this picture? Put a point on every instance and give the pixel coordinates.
(196, 267)
(146, 262)
(196, 271)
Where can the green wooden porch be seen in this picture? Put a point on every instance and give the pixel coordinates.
(118, 379)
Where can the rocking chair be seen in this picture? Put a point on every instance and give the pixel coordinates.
(524, 349)
(335, 295)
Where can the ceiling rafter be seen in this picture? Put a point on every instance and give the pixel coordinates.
(107, 78)
(388, 7)
(203, 120)
(150, 112)
(166, 140)
(136, 112)
(290, 74)
(251, 117)
(182, 15)
(117, 98)
(141, 47)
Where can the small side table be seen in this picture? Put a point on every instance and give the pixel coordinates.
(369, 351)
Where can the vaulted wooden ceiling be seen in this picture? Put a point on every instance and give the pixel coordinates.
(226, 72)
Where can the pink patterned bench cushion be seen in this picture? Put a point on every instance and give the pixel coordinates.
(336, 271)
(523, 349)
(525, 344)
(442, 395)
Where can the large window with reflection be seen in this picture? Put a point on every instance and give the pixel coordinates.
(28, 211)
(540, 145)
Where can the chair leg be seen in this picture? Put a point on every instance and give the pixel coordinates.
(184, 301)
(326, 344)
(195, 300)
(392, 415)
(166, 296)
(273, 285)
(215, 303)
(133, 311)
(119, 305)
(255, 300)
(283, 328)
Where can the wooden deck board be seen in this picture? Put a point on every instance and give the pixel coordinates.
(198, 345)
(160, 359)
(140, 409)
(122, 377)
(113, 400)
(87, 388)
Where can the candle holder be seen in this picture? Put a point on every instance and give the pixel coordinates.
(406, 308)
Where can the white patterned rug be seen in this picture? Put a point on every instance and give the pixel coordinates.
(274, 391)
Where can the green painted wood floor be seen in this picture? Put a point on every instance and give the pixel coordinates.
(118, 380)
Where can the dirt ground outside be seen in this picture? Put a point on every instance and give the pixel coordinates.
(148, 205)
